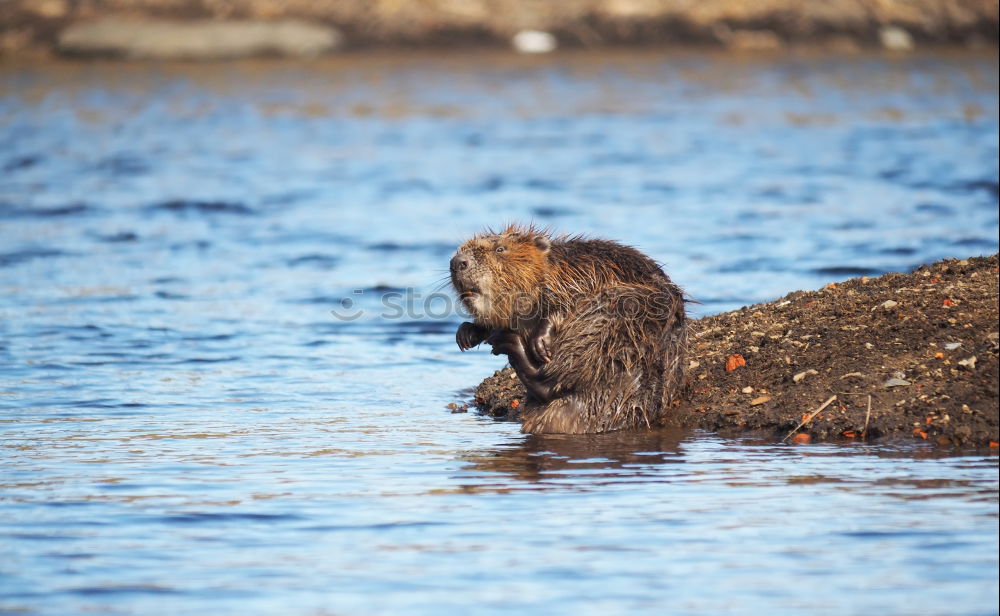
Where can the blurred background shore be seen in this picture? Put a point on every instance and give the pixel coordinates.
(210, 29)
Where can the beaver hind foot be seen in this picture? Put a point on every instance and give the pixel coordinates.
(561, 416)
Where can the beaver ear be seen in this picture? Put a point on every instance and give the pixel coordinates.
(542, 243)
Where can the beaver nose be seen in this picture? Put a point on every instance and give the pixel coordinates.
(459, 263)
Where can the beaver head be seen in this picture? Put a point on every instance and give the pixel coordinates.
(499, 276)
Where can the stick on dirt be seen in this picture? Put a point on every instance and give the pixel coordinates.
(864, 433)
(810, 417)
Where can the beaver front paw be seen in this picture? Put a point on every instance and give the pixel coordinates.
(506, 342)
(470, 335)
(540, 341)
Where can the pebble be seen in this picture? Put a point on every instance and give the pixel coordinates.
(951, 346)
(895, 382)
(889, 304)
(895, 38)
(969, 363)
(747, 390)
(533, 41)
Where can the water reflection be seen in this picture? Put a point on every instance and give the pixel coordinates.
(596, 460)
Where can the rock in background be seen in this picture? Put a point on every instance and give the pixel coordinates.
(196, 39)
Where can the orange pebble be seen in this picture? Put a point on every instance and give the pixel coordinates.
(734, 361)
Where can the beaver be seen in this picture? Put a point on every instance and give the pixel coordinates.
(595, 330)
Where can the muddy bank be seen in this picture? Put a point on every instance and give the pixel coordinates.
(902, 356)
(44, 25)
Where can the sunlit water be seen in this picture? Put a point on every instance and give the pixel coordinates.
(187, 428)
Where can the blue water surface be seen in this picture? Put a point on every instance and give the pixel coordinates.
(225, 362)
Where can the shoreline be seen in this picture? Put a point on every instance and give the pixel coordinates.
(204, 29)
(902, 356)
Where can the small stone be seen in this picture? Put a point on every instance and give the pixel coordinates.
(951, 346)
(895, 38)
(869, 345)
(747, 390)
(533, 41)
(694, 364)
(889, 304)
(895, 382)
(760, 400)
(969, 363)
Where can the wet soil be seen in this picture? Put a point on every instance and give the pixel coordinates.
(900, 356)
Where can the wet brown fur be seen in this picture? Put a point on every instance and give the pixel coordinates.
(620, 328)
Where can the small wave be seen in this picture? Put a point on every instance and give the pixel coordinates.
(976, 242)
(935, 208)
(123, 165)
(189, 206)
(8, 259)
(898, 250)
(317, 261)
(846, 270)
(550, 212)
(21, 162)
(992, 187)
(9, 210)
(318, 299)
(121, 236)
(128, 589)
(203, 518)
(207, 360)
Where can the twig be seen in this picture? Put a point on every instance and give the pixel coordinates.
(809, 418)
(864, 433)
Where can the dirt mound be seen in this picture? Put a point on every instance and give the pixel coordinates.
(903, 355)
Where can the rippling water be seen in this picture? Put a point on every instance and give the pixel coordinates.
(185, 426)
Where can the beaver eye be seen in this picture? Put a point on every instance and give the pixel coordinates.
(500, 249)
